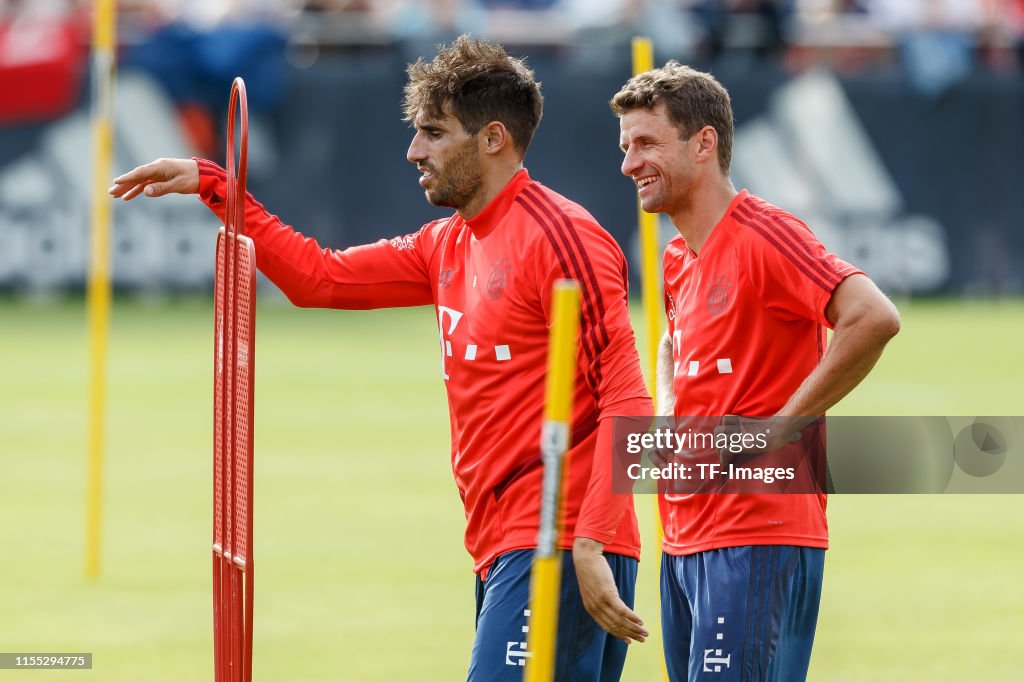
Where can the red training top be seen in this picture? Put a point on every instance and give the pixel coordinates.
(747, 320)
(490, 280)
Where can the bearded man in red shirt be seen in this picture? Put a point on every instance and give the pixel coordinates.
(488, 270)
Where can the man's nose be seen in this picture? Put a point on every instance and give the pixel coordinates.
(630, 163)
(415, 152)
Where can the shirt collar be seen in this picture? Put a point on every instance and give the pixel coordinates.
(486, 220)
(723, 224)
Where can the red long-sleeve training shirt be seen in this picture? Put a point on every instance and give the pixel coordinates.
(489, 280)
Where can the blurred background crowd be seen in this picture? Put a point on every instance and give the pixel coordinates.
(993, 28)
(937, 42)
(712, 25)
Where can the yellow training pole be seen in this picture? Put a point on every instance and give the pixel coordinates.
(98, 296)
(650, 279)
(643, 60)
(546, 574)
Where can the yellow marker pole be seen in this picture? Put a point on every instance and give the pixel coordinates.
(546, 574)
(650, 279)
(643, 60)
(98, 295)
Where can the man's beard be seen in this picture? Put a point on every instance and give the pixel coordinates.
(458, 180)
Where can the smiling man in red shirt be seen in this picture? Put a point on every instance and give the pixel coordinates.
(488, 270)
(749, 293)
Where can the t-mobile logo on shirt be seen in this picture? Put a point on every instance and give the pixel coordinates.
(502, 353)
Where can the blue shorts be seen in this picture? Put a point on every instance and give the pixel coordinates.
(586, 653)
(741, 613)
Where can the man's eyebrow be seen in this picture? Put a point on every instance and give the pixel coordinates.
(430, 127)
(639, 139)
(646, 138)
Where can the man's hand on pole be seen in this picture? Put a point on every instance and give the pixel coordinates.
(600, 595)
(155, 179)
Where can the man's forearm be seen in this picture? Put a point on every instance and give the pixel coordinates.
(850, 357)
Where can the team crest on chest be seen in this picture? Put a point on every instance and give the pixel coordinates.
(497, 278)
(718, 295)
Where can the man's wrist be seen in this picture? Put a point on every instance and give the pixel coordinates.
(787, 425)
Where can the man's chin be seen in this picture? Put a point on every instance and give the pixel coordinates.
(652, 205)
(438, 200)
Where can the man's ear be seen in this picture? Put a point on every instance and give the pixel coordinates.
(707, 144)
(495, 137)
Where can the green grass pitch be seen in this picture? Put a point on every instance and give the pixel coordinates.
(361, 573)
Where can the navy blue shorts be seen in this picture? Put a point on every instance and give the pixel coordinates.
(741, 613)
(586, 653)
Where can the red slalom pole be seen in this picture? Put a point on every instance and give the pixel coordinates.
(234, 377)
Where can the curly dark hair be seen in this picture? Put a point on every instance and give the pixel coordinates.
(693, 99)
(480, 83)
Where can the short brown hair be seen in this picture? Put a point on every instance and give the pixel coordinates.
(693, 99)
(481, 83)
